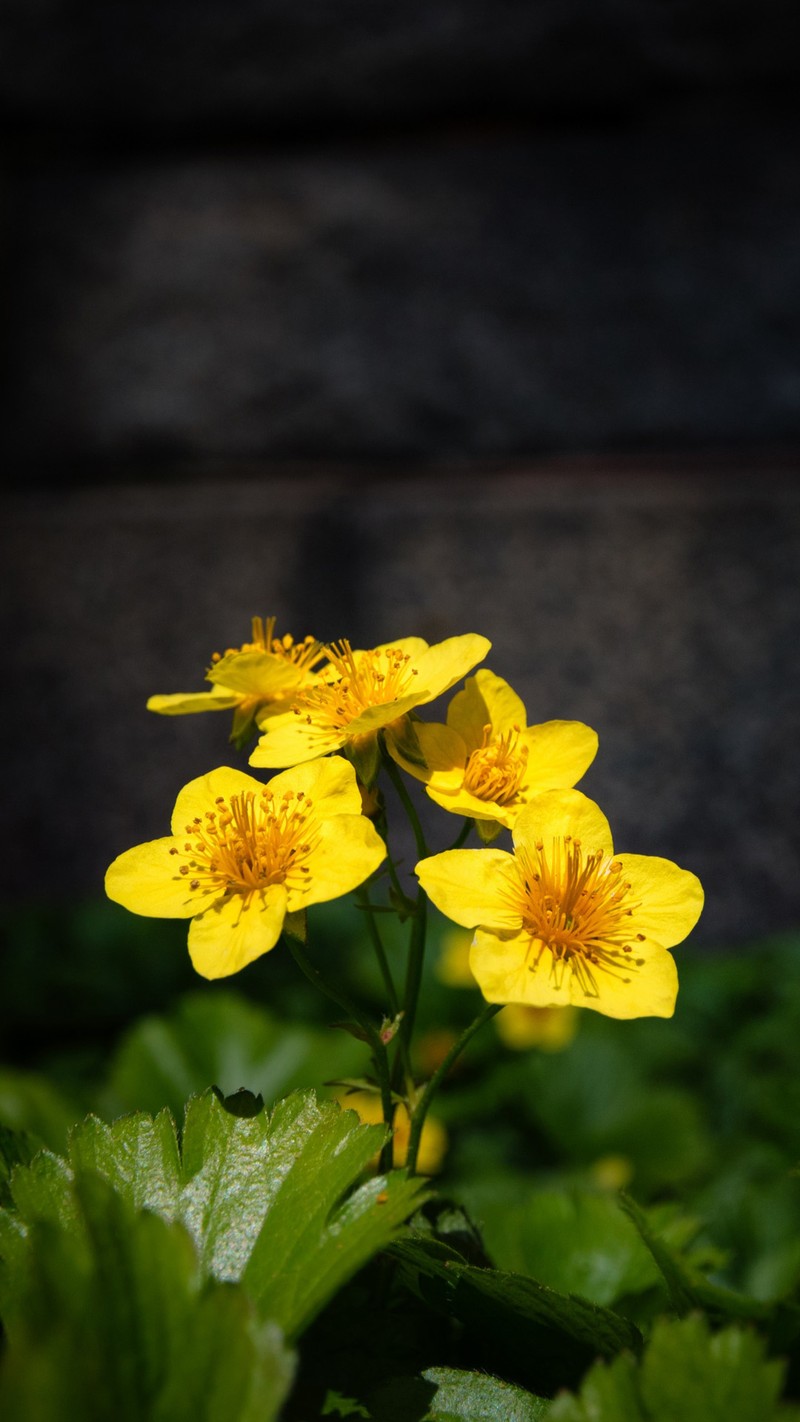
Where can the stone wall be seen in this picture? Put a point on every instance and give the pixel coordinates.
(406, 319)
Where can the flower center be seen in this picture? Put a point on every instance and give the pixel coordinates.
(370, 679)
(247, 843)
(576, 907)
(305, 655)
(495, 770)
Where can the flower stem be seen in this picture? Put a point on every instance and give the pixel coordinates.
(463, 835)
(397, 781)
(380, 952)
(379, 1054)
(421, 1109)
(416, 960)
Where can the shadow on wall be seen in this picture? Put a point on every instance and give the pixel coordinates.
(662, 610)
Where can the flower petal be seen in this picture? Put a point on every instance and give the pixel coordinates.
(180, 703)
(670, 899)
(256, 674)
(288, 739)
(442, 665)
(412, 647)
(502, 967)
(344, 852)
(556, 813)
(145, 880)
(329, 783)
(474, 886)
(486, 700)
(235, 930)
(199, 795)
(429, 751)
(559, 753)
(463, 803)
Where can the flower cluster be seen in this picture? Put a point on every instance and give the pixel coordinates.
(558, 920)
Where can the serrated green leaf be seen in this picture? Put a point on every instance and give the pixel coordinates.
(114, 1319)
(316, 1235)
(540, 1337)
(16, 1148)
(454, 1395)
(267, 1199)
(687, 1374)
(688, 1289)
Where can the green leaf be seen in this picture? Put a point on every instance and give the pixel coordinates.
(16, 1148)
(573, 1240)
(30, 1102)
(687, 1374)
(112, 1318)
(452, 1395)
(539, 1337)
(267, 1199)
(217, 1036)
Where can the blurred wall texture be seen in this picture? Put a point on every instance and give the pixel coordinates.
(406, 319)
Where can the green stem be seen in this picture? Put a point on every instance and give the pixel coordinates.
(397, 781)
(416, 947)
(380, 952)
(421, 1109)
(463, 834)
(416, 960)
(379, 1054)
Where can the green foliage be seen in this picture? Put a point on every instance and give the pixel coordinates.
(687, 1374)
(267, 1200)
(219, 1037)
(248, 1264)
(109, 1315)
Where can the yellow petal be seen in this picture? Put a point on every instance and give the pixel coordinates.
(199, 795)
(431, 752)
(556, 813)
(344, 852)
(550, 1029)
(145, 880)
(463, 803)
(181, 703)
(330, 784)
(256, 674)
(486, 700)
(502, 967)
(288, 739)
(474, 886)
(559, 753)
(442, 665)
(670, 899)
(236, 930)
(412, 647)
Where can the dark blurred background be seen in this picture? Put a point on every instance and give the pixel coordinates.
(395, 320)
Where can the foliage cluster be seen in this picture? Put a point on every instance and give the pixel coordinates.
(613, 1233)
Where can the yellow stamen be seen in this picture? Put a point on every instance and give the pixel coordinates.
(575, 907)
(495, 770)
(371, 679)
(305, 655)
(248, 843)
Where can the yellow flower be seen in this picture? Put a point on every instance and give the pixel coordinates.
(433, 1141)
(243, 854)
(549, 1029)
(359, 693)
(250, 679)
(486, 762)
(564, 920)
(519, 1026)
